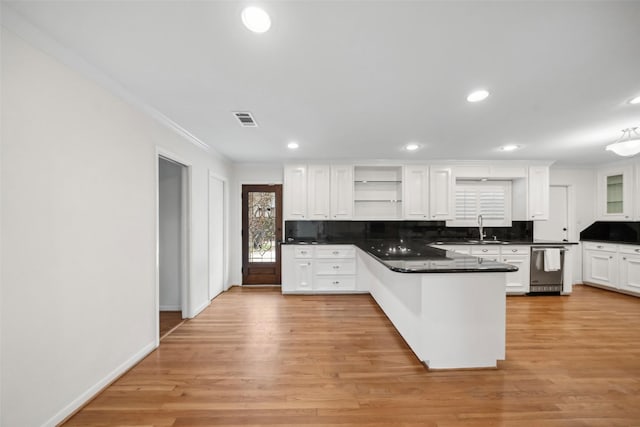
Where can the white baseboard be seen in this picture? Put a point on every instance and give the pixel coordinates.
(96, 388)
(170, 308)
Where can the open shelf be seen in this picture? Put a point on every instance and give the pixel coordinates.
(377, 192)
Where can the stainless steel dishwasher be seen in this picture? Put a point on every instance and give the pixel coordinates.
(542, 281)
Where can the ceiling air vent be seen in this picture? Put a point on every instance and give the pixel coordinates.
(246, 119)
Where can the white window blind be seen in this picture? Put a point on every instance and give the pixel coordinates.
(491, 199)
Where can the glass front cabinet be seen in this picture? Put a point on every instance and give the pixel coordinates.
(615, 194)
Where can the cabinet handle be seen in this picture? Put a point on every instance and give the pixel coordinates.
(303, 252)
(599, 247)
(335, 252)
(336, 282)
(514, 250)
(485, 250)
(624, 258)
(308, 263)
(610, 257)
(637, 250)
(335, 267)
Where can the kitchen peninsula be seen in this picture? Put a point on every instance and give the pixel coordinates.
(449, 317)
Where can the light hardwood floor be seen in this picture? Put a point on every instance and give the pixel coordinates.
(255, 357)
(168, 321)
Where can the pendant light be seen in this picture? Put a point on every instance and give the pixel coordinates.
(628, 144)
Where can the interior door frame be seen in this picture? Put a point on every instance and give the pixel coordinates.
(185, 242)
(225, 231)
(240, 210)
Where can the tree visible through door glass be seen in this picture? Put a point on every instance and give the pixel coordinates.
(262, 227)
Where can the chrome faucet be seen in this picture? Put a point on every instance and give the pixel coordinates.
(481, 228)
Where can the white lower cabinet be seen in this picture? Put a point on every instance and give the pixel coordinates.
(613, 266)
(517, 282)
(489, 253)
(303, 274)
(318, 269)
(630, 268)
(600, 264)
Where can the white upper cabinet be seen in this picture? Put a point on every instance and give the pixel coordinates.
(614, 193)
(441, 200)
(318, 192)
(295, 192)
(538, 193)
(416, 192)
(341, 192)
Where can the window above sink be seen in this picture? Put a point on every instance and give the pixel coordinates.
(491, 199)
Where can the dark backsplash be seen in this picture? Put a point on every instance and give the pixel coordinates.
(352, 231)
(609, 231)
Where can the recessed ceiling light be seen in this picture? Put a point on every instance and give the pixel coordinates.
(292, 145)
(478, 95)
(509, 147)
(635, 100)
(256, 19)
(411, 147)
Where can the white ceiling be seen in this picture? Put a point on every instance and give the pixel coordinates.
(359, 79)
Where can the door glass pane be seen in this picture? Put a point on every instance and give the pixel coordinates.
(262, 227)
(614, 194)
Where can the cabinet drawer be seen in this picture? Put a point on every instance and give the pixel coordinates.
(304, 252)
(335, 283)
(595, 246)
(333, 267)
(343, 251)
(482, 251)
(515, 250)
(630, 250)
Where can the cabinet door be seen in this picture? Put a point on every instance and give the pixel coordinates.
(614, 194)
(630, 273)
(318, 198)
(517, 281)
(295, 192)
(600, 267)
(303, 272)
(341, 192)
(416, 192)
(538, 193)
(441, 193)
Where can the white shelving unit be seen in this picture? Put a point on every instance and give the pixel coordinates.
(377, 192)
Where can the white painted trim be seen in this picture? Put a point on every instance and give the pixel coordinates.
(100, 385)
(198, 310)
(18, 25)
(170, 308)
(185, 285)
(225, 236)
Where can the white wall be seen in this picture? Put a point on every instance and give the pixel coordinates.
(245, 173)
(583, 184)
(170, 234)
(78, 178)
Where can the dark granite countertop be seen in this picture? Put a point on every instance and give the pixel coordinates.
(613, 242)
(420, 257)
(504, 242)
(426, 259)
(462, 242)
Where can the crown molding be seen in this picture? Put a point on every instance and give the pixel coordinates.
(14, 22)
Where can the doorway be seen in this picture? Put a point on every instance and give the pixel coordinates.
(556, 228)
(261, 234)
(217, 237)
(172, 243)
